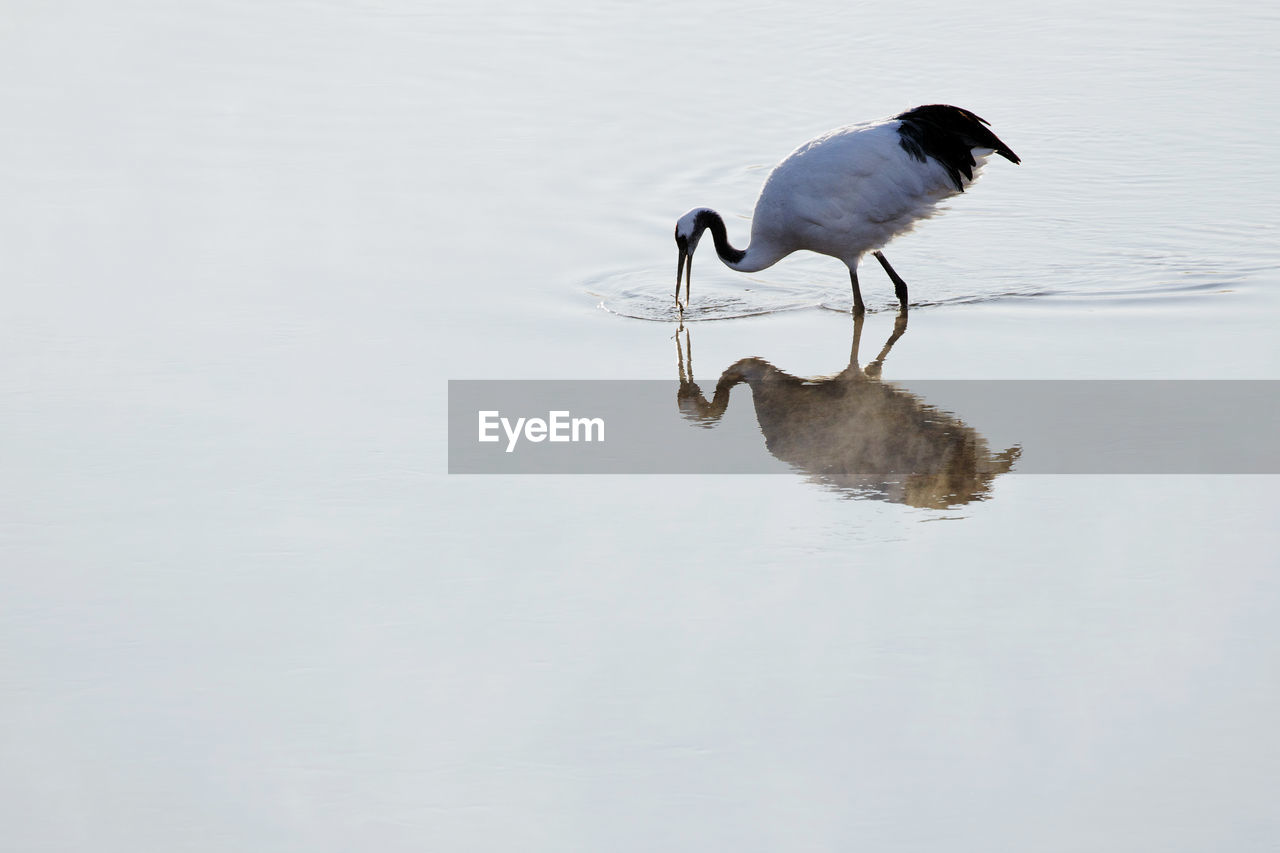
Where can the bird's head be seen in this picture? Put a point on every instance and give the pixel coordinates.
(689, 230)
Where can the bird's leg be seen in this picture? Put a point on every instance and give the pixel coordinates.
(899, 286)
(857, 340)
(899, 326)
(858, 307)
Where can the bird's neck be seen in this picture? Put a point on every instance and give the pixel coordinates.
(751, 259)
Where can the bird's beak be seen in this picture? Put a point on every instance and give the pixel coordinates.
(679, 271)
(684, 269)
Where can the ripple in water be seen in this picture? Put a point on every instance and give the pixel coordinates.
(635, 293)
(649, 294)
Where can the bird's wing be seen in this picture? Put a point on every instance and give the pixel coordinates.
(849, 191)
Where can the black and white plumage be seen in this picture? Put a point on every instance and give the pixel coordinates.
(850, 191)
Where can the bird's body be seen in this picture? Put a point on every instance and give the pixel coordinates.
(851, 190)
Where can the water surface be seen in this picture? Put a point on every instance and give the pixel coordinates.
(244, 247)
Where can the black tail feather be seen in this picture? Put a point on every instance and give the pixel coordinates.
(948, 134)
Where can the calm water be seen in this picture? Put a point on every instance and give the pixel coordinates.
(244, 247)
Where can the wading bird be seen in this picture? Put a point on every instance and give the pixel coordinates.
(853, 433)
(850, 191)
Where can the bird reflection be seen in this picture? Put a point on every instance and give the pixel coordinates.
(853, 433)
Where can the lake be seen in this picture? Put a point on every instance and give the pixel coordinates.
(246, 247)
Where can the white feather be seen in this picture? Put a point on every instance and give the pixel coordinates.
(843, 194)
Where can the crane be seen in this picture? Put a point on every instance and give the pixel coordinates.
(850, 191)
